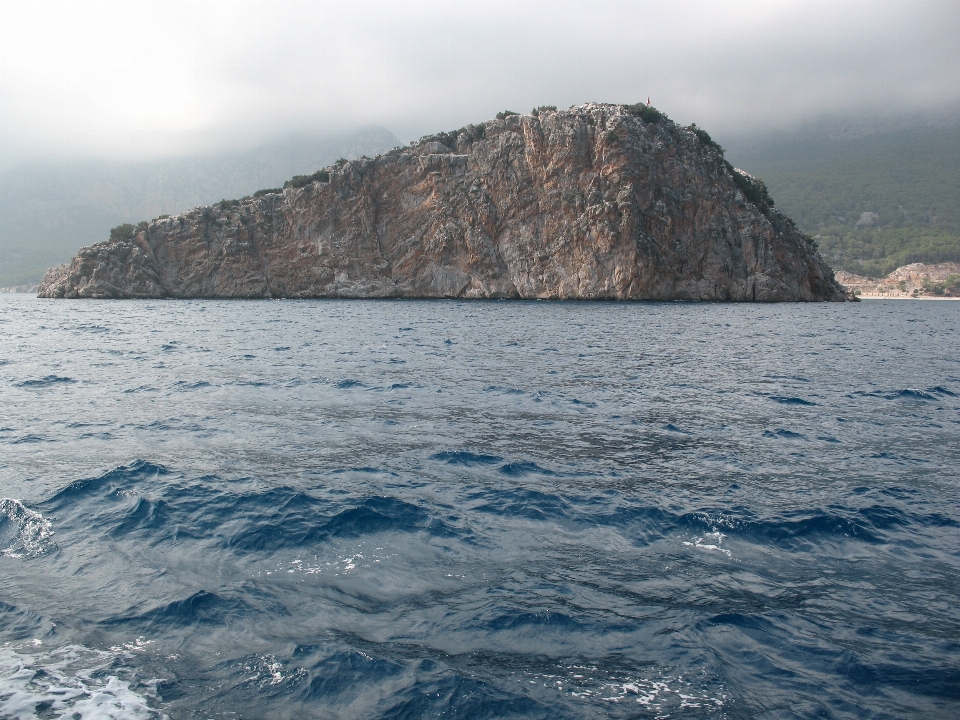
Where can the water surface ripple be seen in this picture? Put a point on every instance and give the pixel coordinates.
(285, 509)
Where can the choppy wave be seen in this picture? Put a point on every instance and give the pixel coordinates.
(72, 682)
(23, 532)
(934, 393)
(145, 502)
(46, 381)
(565, 512)
(148, 503)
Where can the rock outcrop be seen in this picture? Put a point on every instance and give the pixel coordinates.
(596, 202)
(916, 280)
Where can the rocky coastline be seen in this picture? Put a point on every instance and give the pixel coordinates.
(598, 202)
(916, 281)
(29, 288)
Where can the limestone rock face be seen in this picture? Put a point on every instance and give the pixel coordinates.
(586, 203)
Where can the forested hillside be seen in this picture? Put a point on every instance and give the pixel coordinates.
(907, 182)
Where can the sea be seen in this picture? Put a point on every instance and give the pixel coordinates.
(473, 509)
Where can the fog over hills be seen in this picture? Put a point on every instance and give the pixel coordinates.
(876, 193)
(903, 172)
(202, 83)
(49, 210)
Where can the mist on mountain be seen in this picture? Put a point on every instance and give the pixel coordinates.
(876, 193)
(49, 210)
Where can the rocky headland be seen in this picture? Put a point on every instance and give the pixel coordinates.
(917, 281)
(29, 288)
(595, 202)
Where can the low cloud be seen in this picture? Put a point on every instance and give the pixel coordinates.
(138, 80)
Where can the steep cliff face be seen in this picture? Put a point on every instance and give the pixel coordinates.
(588, 203)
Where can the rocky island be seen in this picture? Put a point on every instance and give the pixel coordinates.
(598, 202)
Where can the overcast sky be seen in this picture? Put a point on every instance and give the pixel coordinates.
(147, 79)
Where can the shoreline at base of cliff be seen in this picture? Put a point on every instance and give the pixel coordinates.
(908, 297)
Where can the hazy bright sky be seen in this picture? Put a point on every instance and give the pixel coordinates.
(144, 79)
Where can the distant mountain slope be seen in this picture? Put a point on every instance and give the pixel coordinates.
(907, 180)
(47, 212)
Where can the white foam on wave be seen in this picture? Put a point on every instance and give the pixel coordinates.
(267, 670)
(710, 541)
(23, 532)
(658, 695)
(334, 567)
(71, 682)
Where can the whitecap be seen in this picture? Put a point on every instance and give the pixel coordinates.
(710, 541)
(266, 671)
(660, 694)
(23, 532)
(71, 682)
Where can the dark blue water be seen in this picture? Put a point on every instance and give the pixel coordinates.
(479, 509)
